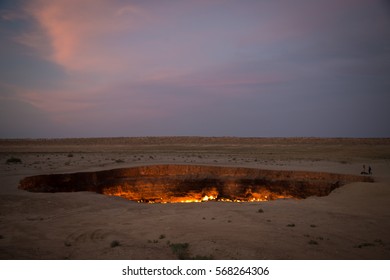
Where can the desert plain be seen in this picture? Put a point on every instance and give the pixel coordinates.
(352, 222)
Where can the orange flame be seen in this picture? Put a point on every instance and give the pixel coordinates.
(193, 197)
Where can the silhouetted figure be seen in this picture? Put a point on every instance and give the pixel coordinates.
(369, 170)
(364, 170)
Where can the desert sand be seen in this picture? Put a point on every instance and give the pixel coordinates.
(353, 222)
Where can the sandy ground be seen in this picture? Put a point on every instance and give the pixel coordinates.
(353, 222)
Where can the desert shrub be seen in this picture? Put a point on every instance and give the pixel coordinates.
(365, 244)
(313, 242)
(162, 236)
(152, 241)
(115, 243)
(180, 250)
(70, 155)
(13, 160)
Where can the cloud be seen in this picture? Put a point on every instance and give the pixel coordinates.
(86, 35)
(199, 66)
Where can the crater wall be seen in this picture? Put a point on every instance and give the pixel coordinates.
(193, 183)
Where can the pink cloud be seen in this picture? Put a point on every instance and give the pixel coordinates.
(114, 37)
(80, 32)
(91, 38)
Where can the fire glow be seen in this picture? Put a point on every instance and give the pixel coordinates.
(206, 198)
(194, 183)
(203, 200)
(199, 195)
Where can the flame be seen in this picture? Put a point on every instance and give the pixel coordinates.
(208, 198)
(194, 197)
(189, 200)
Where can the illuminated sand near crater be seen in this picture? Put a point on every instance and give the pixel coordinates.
(327, 209)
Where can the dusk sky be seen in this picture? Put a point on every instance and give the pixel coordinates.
(261, 68)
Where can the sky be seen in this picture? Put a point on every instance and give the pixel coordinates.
(246, 68)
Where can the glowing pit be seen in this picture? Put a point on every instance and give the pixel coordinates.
(193, 183)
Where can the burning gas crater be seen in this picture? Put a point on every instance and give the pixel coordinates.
(193, 183)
